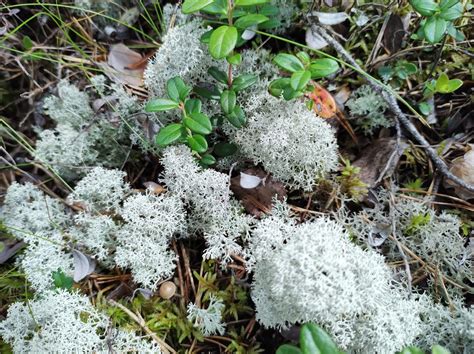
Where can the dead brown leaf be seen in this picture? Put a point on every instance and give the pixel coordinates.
(258, 200)
(463, 167)
(119, 63)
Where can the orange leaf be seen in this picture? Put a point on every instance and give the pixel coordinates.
(323, 103)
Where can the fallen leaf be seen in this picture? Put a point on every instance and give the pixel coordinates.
(119, 61)
(394, 34)
(330, 18)
(462, 167)
(314, 40)
(153, 187)
(323, 103)
(249, 181)
(258, 200)
(375, 158)
(83, 265)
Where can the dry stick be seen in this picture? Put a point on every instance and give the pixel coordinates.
(395, 108)
(141, 322)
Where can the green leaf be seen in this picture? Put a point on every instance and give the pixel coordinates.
(412, 350)
(288, 62)
(451, 11)
(209, 91)
(270, 24)
(27, 43)
(288, 349)
(424, 108)
(437, 349)
(304, 57)
(228, 100)
(269, 10)
(241, 82)
(314, 339)
(444, 85)
(217, 74)
(190, 6)
(193, 105)
(250, 20)
(277, 86)
(237, 117)
(385, 72)
(218, 7)
(300, 79)
(323, 67)
(222, 41)
(424, 7)
(168, 134)
(206, 36)
(177, 89)
(249, 2)
(434, 29)
(235, 59)
(224, 149)
(207, 160)
(289, 93)
(61, 280)
(455, 33)
(160, 104)
(197, 143)
(198, 123)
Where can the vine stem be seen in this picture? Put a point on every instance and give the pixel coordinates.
(395, 108)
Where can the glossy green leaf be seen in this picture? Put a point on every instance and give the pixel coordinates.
(207, 160)
(313, 340)
(222, 41)
(193, 105)
(208, 91)
(424, 108)
(235, 59)
(197, 143)
(451, 11)
(224, 149)
(250, 20)
(206, 36)
(228, 100)
(160, 104)
(168, 134)
(434, 29)
(304, 57)
(250, 2)
(190, 6)
(323, 67)
(177, 89)
(277, 86)
(288, 62)
(244, 81)
(300, 79)
(288, 349)
(269, 10)
(270, 24)
(289, 93)
(237, 117)
(198, 123)
(217, 74)
(424, 7)
(218, 7)
(444, 85)
(27, 43)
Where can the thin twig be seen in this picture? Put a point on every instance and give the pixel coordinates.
(141, 322)
(395, 108)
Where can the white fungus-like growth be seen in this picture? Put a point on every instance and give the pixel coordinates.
(453, 329)
(44, 256)
(71, 106)
(69, 151)
(181, 54)
(60, 321)
(27, 210)
(435, 238)
(289, 141)
(312, 273)
(143, 242)
(208, 197)
(369, 108)
(54, 322)
(97, 234)
(101, 189)
(208, 320)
